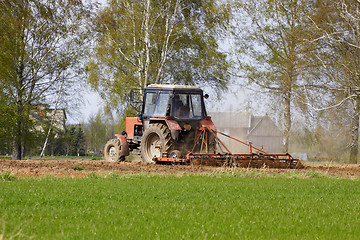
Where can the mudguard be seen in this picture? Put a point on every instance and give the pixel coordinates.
(124, 151)
(207, 123)
(174, 128)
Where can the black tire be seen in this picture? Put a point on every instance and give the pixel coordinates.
(175, 154)
(112, 151)
(155, 140)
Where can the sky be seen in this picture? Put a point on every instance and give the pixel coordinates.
(90, 105)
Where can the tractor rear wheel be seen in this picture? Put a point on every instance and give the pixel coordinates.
(112, 151)
(155, 140)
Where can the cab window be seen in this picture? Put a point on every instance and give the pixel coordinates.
(196, 106)
(162, 105)
(150, 101)
(187, 106)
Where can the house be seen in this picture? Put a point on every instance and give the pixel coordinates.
(261, 131)
(45, 116)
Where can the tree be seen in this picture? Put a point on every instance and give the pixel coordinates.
(6, 117)
(139, 42)
(98, 130)
(337, 27)
(80, 145)
(39, 49)
(74, 139)
(269, 46)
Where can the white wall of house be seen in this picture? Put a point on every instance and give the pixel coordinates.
(261, 131)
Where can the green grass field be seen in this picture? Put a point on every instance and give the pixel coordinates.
(219, 206)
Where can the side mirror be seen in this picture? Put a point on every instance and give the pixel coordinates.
(131, 96)
(135, 96)
(206, 96)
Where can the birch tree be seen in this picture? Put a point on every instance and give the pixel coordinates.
(39, 46)
(139, 42)
(337, 26)
(268, 43)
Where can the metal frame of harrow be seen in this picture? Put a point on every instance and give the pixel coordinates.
(251, 159)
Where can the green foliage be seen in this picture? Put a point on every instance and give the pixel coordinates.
(37, 56)
(6, 176)
(121, 126)
(163, 42)
(9, 120)
(98, 130)
(98, 157)
(75, 141)
(72, 142)
(181, 207)
(78, 167)
(92, 175)
(314, 174)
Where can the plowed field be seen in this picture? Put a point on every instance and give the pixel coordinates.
(34, 168)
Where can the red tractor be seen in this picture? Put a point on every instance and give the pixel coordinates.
(173, 127)
(169, 120)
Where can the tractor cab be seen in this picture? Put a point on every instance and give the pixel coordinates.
(173, 102)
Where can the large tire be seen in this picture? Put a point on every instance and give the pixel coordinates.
(112, 151)
(155, 140)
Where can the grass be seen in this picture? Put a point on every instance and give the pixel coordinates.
(78, 167)
(6, 176)
(220, 206)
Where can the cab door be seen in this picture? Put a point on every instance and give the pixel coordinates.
(156, 105)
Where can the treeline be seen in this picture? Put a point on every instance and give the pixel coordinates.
(303, 55)
(71, 142)
(85, 139)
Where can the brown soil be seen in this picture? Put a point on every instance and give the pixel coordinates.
(34, 168)
(343, 170)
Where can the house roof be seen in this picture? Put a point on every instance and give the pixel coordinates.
(263, 126)
(230, 119)
(254, 124)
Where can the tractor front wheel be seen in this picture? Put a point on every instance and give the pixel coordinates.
(156, 140)
(112, 151)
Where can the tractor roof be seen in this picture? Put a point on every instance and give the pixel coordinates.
(172, 86)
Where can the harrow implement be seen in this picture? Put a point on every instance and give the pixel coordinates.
(257, 159)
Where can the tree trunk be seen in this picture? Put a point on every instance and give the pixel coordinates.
(354, 145)
(17, 146)
(287, 120)
(16, 154)
(18, 131)
(147, 41)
